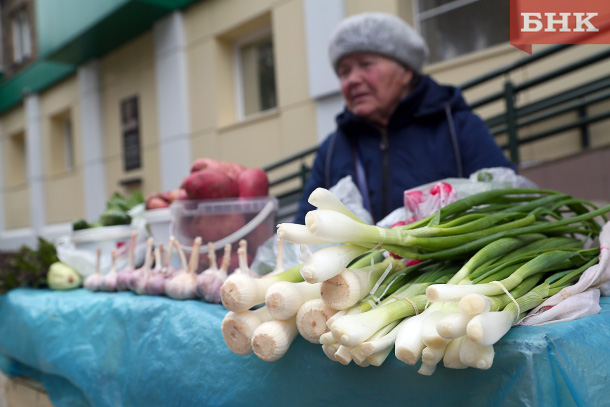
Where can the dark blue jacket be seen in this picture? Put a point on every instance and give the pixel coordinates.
(432, 135)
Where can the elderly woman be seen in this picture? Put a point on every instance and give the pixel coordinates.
(400, 129)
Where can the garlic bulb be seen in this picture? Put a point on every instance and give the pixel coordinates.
(108, 281)
(138, 279)
(183, 284)
(155, 283)
(93, 281)
(242, 255)
(122, 277)
(210, 281)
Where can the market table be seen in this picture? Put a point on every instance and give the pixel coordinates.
(119, 349)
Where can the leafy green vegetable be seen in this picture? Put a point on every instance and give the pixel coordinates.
(113, 217)
(80, 224)
(27, 267)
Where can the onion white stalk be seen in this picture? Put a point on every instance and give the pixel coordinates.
(330, 350)
(271, 339)
(474, 304)
(322, 198)
(409, 345)
(426, 369)
(328, 262)
(348, 287)
(296, 233)
(382, 340)
(284, 298)
(362, 363)
(343, 355)
(489, 327)
(240, 292)
(327, 338)
(453, 325)
(431, 356)
(238, 327)
(351, 330)
(430, 335)
(476, 355)
(378, 358)
(312, 318)
(336, 227)
(452, 355)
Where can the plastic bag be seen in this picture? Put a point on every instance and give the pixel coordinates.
(84, 261)
(424, 200)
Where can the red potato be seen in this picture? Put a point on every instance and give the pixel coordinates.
(174, 194)
(210, 184)
(232, 169)
(212, 228)
(156, 201)
(253, 182)
(181, 195)
(203, 163)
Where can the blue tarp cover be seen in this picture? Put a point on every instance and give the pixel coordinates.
(119, 349)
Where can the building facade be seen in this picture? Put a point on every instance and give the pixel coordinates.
(120, 95)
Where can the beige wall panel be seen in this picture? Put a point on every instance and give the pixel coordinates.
(126, 72)
(600, 131)
(253, 144)
(290, 53)
(360, 6)
(578, 77)
(224, 81)
(205, 144)
(202, 86)
(64, 198)
(64, 190)
(13, 121)
(298, 129)
(210, 18)
(17, 208)
(228, 14)
(550, 149)
(16, 197)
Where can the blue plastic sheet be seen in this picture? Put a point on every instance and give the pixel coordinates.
(102, 349)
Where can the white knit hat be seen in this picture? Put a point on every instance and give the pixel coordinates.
(380, 33)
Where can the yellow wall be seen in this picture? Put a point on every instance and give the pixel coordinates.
(63, 188)
(211, 29)
(126, 72)
(16, 191)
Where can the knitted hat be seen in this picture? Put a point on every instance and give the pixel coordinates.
(380, 33)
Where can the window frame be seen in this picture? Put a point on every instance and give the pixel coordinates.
(21, 32)
(238, 45)
(435, 12)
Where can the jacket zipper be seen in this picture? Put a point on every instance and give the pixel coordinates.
(384, 146)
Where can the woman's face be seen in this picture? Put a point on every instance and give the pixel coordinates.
(372, 85)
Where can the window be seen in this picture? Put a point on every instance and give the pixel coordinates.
(62, 143)
(130, 128)
(255, 74)
(22, 41)
(457, 27)
(15, 155)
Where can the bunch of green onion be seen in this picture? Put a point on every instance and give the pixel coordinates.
(485, 261)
